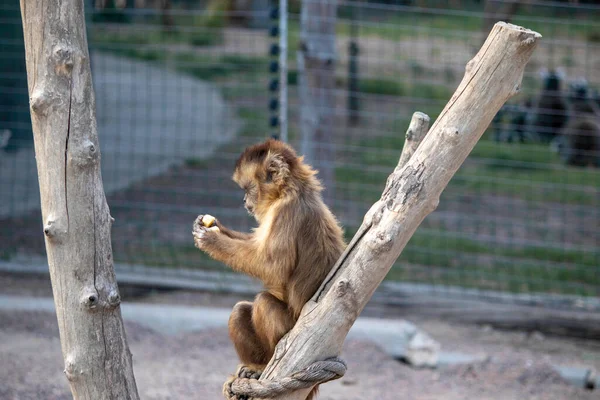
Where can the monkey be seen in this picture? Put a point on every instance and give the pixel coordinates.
(296, 243)
(516, 129)
(551, 113)
(580, 138)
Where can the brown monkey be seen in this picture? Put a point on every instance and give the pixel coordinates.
(296, 243)
(581, 135)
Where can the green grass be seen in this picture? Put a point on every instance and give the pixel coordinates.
(210, 68)
(514, 169)
(517, 279)
(387, 87)
(196, 163)
(255, 122)
(435, 256)
(7, 254)
(439, 256)
(139, 52)
(532, 185)
(133, 36)
(538, 185)
(425, 259)
(204, 38)
(439, 247)
(529, 171)
(138, 46)
(166, 255)
(400, 25)
(403, 25)
(534, 153)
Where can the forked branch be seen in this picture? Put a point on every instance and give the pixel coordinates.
(412, 192)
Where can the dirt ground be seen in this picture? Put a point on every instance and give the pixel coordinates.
(193, 366)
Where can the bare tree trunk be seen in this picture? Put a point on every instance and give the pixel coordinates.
(411, 193)
(316, 68)
(75, 214)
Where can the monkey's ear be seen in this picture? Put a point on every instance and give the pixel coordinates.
(277, 169)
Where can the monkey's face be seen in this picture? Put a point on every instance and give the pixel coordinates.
(262, 182)
(245, 175)
(250, 197)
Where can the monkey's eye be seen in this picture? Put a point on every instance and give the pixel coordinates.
(250, 189)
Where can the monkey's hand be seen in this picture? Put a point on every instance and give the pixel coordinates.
(208, 221)
(221, 244)
(205, 235)
(248, 371)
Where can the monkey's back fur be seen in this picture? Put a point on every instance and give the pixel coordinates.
(298, 232)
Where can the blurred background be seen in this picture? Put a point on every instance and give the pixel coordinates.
(182, 87)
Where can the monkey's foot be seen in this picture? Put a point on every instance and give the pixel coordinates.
(228, 393)
(247, 371)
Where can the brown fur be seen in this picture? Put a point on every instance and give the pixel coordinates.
(294, 247)
(582, 132)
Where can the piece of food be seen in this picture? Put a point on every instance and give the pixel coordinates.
(208, 221)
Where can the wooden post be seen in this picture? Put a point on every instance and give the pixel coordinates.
(411, 193)
(75, 214)
(316, 70)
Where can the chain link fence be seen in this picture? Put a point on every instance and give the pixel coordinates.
(182, 87)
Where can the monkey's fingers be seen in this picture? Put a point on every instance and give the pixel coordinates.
(198, 222)
(199, 235)
(249, 372)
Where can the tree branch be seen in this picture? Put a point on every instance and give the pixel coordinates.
(411, 193)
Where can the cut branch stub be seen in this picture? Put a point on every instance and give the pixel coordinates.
(411, 193)
(419, 124)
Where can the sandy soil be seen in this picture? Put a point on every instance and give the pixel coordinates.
(193, 366)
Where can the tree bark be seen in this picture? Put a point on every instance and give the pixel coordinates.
(75, 214)
(316, 69)
(410, 194)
